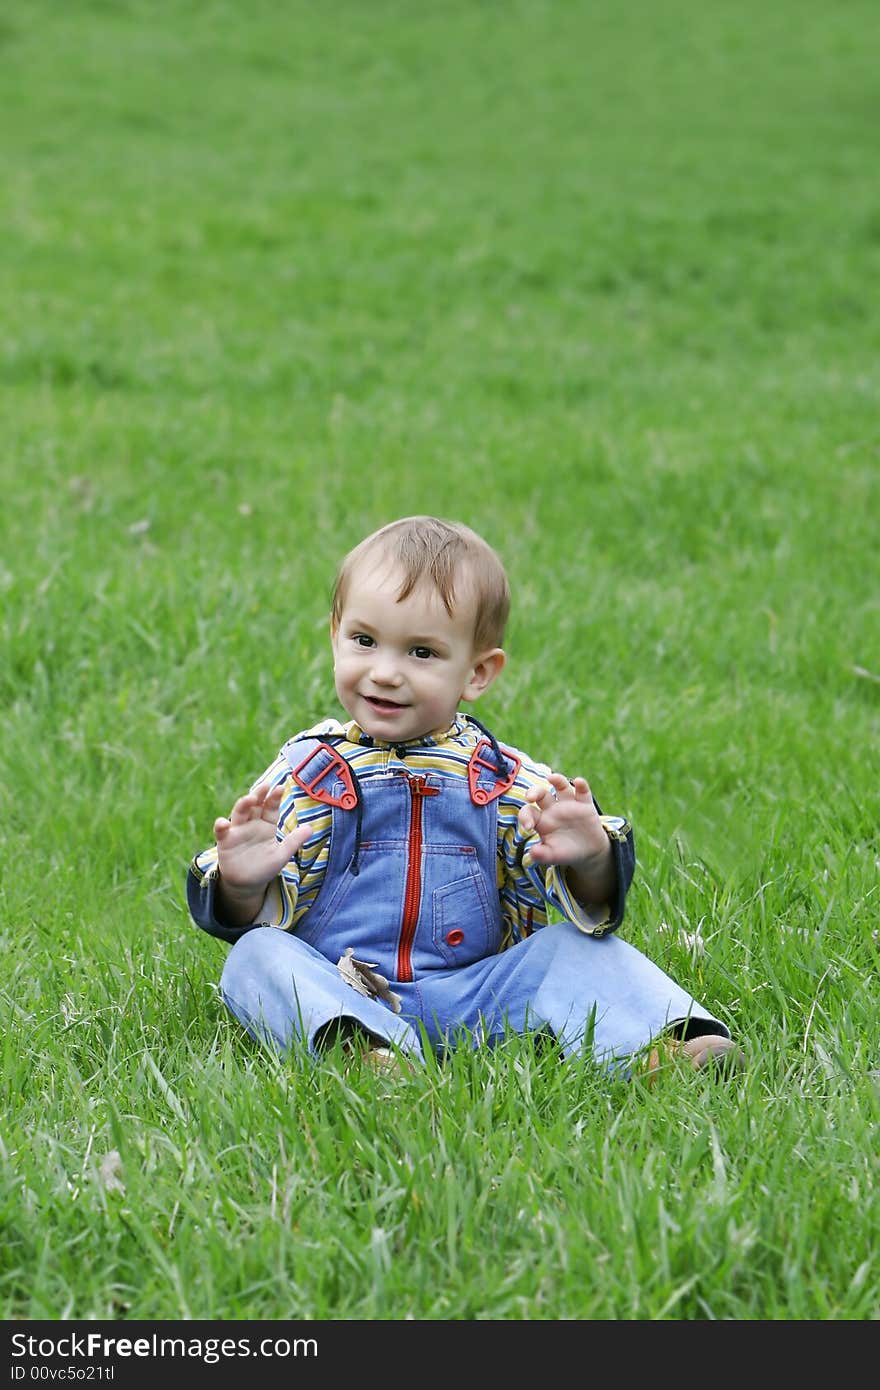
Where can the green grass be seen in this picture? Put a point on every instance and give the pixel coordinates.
(597, 281)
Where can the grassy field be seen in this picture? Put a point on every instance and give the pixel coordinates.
(599, 281)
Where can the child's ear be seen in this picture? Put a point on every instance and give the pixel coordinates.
(487, 666)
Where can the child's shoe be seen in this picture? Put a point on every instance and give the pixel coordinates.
(384, 1061)
(707, 1050)
(359, 1051)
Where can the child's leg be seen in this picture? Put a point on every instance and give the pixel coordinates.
(282, 990)
(603, 994)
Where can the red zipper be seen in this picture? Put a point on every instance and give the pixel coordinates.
(412, 898)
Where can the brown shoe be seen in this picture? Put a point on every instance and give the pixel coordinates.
(708, 1050)
(358, 1048)
(711, 1050)
(383, 1060)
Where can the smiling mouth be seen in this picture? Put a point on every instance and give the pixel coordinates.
(383, 706)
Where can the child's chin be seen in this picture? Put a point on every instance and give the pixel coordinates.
(386, 722)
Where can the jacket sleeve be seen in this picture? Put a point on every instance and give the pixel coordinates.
(624, 852)
(201, 886)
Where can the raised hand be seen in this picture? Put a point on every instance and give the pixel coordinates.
(248, 854)
(563, 815)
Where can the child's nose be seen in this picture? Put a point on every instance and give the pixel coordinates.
(384, 670)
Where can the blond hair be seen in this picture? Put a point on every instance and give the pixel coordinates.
(443, 553)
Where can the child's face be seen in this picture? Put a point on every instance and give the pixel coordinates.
(402, 668)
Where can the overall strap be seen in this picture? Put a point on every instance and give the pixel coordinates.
(312, 762)
(489, 778)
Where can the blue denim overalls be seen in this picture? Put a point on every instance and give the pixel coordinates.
(411, 889)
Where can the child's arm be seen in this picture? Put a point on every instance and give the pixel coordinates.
(569, 828)
(249, 856)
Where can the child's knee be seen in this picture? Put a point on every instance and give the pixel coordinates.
(253, 954)
(560, 946)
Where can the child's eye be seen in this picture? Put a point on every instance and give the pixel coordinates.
(423, 653)
(362, 640)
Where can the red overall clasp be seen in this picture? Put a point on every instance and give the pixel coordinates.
(336, 765)
(481, 796)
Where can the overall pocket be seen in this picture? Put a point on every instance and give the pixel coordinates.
(465, 927)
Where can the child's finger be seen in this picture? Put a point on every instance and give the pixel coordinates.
(242, 809)
(271, 803)
(262, 794)
(543, 795)
(528, 818)
(562, 787)
(295, 839)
